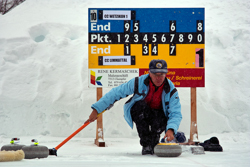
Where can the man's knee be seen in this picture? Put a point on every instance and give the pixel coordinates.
(139, 111)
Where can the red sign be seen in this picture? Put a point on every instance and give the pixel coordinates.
(189, 77)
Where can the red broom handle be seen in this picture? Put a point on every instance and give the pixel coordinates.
(73, 134)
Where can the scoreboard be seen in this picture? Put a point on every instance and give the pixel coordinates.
(122, 42)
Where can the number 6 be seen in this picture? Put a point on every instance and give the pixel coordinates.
(172, 27)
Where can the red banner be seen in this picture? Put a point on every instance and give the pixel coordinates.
(189, 77)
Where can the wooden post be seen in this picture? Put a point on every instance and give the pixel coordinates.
(99, 141)
(193, 127)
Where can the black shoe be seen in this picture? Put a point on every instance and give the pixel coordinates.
(212, 144)
(147, 150)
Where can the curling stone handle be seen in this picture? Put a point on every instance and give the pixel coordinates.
(14, 140)
(35, 141)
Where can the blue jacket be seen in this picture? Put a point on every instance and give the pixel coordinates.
(170, 100)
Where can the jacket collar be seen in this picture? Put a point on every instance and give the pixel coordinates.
(166, 86)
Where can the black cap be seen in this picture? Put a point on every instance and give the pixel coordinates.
(158, 66)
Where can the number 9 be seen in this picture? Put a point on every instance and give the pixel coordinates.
(127, 26)
(190, 37)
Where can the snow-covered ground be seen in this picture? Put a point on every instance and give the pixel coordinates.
(127, 152)
(44, 90)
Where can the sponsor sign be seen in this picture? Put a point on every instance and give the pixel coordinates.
(111, 77)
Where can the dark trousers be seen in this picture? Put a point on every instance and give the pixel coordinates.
(150, 123)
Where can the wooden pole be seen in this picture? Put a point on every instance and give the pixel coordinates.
(99, 141)
(193, 126)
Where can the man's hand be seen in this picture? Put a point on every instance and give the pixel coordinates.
(169, 135)
(92, 116)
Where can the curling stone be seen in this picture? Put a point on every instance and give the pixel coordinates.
(167, 150)
(13, 146)
(35, 150)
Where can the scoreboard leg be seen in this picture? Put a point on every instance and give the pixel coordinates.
(99, 141)
(193, 126)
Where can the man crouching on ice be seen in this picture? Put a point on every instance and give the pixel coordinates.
(155, 106)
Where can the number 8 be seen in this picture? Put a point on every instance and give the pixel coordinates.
(181, 38)
(199, 26)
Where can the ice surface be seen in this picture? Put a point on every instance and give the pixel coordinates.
(127, 152)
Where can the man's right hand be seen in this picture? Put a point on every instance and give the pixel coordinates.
(169, 135)
(92, 116)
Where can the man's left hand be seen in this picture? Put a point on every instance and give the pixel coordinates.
(169, 135)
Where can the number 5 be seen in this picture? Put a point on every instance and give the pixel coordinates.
(136, 26)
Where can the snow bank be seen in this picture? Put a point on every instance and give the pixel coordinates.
(43, 70)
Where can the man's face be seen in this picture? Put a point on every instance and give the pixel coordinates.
(157, 78)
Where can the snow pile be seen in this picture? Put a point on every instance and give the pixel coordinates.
(44, 70)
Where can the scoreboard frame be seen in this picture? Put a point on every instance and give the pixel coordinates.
(122, 39)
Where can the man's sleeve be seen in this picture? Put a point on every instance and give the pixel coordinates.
(114, 95)
(174, 110)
